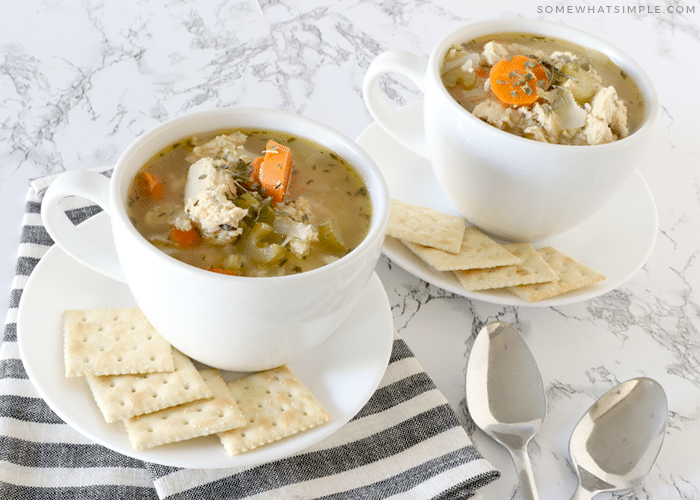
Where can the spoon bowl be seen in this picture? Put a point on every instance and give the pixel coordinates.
(616, 442)
(505, 394)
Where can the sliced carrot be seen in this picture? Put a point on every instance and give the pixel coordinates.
(514, 80)
(152, 185)
(186, 239)
(223, 270)
(255, 165)
(276, 170)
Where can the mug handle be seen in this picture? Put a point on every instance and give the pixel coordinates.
(410, 135)
(71, 239)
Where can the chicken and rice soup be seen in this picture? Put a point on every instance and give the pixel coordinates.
(543, 89)
(250, 203)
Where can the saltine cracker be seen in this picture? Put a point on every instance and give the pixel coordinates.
(124, 396)
(187, 421)
(478, 251)
(532, 269)
(425, 226)
(112, 341)
(277, 405)
(572, 276)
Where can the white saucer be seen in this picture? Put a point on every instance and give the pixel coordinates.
(342, 373)
(616, 241)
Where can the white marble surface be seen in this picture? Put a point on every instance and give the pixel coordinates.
(80, 80)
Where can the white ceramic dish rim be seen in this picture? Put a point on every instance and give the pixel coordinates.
(365, 371)
(377, 142)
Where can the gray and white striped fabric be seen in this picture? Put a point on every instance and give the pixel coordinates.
(405, 443)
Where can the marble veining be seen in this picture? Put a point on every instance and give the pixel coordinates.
(79, 80)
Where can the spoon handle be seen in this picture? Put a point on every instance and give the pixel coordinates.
(521, 460)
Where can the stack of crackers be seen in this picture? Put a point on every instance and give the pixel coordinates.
(138, 378)
(447, 243)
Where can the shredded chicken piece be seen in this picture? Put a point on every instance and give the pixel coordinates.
(209, 192)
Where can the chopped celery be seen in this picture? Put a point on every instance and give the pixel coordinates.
(329, 236)
(260, 250)
(580, 82)
(266, 214)
(234, 262)
(457, 75)
(247, 200)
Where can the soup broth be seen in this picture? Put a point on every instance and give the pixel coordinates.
(200, 201)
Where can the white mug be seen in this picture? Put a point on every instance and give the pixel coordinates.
(512, 187)
(228, 322)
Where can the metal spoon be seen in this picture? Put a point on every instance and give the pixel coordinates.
(616, 442)
(505, 395)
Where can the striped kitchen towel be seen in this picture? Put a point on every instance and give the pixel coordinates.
(405, 443)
